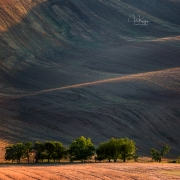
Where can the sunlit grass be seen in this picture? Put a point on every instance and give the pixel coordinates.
(172, 172)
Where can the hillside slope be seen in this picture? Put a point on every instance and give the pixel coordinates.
(71, 68)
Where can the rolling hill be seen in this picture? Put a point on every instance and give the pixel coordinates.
(99, 68)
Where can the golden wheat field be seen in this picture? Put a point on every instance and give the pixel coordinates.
(105, 171)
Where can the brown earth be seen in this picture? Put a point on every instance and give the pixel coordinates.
(3, 144)
(104, 171)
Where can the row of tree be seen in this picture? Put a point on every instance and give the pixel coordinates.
(48, 150)
(80, 149)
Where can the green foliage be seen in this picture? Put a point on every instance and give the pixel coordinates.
(103, 152)
(50, 149)
(10, 153)
(107, 150)
(136, 158)
(59, 151)
(126, 148)
(122, 148)
(39, 151)
(15, 151)
(178, 160)
(81, 149)
(27, 149)
(19, 149)
(157, 155)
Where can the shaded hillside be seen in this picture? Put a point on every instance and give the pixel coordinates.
(38, 37)
(71, 68)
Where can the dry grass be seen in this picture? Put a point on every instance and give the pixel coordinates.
(3, 144)
(106, 171)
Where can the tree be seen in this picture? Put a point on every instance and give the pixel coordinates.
(103, 152)
(108, 150)
(39, 151)
(81, 149)
(19, 151)
(27, 149)
(122, 148)
(50, 149)
(157, 155)
(126, 148)
(10, 153)
(59, 151)
(15, 151)
(43, 155)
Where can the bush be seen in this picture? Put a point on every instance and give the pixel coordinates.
(157, 155)
(178, 160)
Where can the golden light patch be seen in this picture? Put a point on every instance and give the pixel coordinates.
(173, 38)
(12, 12)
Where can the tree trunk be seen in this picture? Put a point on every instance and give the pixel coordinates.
(17, 160)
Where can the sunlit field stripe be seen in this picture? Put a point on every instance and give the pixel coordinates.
(143, 76)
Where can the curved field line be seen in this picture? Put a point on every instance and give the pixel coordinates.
(111, 80)
(141, 76)
(170, 38)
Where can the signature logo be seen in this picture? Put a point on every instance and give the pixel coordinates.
(138, 20)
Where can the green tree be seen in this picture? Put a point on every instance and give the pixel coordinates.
(39, 148)
(50, 149)
(18, 151)
(122, 148)
(126, 148)
(43, 155)
(157, 155)
(59, 151)
(109, 149)
(102, 152)
(27, 149)
(10, 153)
(15, 151)
(81, 149)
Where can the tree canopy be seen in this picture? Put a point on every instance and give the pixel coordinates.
(157, 155)
(81, 149)
(122, 148)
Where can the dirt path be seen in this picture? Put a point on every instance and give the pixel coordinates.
(105, 171)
